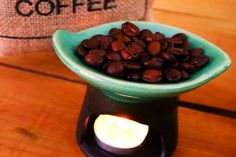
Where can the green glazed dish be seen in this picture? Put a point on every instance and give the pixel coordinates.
(65, 44)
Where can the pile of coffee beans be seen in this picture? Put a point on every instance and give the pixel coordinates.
(141, 55)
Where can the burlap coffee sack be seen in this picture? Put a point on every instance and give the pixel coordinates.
(27, 25)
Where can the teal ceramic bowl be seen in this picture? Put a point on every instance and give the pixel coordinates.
(65, 44)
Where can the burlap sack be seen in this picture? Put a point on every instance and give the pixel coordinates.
(27, 25)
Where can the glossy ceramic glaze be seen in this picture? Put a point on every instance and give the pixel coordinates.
(65, 44)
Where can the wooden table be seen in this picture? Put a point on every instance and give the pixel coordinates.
(40, 98)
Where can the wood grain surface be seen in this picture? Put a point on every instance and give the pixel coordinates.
(40, 99)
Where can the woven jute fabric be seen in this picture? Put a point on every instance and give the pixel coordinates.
(28, 25)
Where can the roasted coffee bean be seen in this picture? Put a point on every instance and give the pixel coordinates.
(92, 43)
(133, 76)
(140, 55)
(115, 69)
(185, 58)
(181, 36)
(130, 29)
(199, 62)
(97, 37)
(132, 66)
(105, 42)
(154, 63)
(114, 56)
(172, 75)
(178, 43)
(114, 32)
(154, 48)
(169, 58)
(106, 64)
(185, 53)
(184, 74)
(125, 38)
(158, 36)
(94, 60)
(186, 45)
(99, 52)
(164, 45)
(152, 75)
(122, 37)
(117, 46)
(175, 65)
(117, 34)
(139, 42)
(143, 57)
(81, 52)
(126, 55)
(146, 35)
(196, 52)
(188, 67)
(134, 49)
(175, 51)
(170, 43)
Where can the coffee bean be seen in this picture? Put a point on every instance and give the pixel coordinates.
(158, 36)
(114, 32)
(199, 62)
(184, 74)
(117, 34)
(122, 37)
(117, 46)
(94, 60)
(81, 52)
(152, 76)
(154, 63)
(172, 75)
(92, 43)
(175, 51)
(169, 58)
(139, 42)
(143, 57)
(185, 53)
(178, 43)
(132, 66)
(134, 49)
(146, 35)
(99, 52)
(175, 65)
(133, 76)
(186, 45)
(106, 64)
(105, 42)
(130, 29)
(97, 37)
(185, 58)
(154, 48)
(115, 69)
(114, 56)
(170, 42)
(196, 52)
(188, 67)
(126, 55)
(164, 45)
(180, 36)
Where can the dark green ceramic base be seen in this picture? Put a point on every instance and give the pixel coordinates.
(160, 115)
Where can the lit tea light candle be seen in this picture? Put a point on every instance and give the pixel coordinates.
(119, 135)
